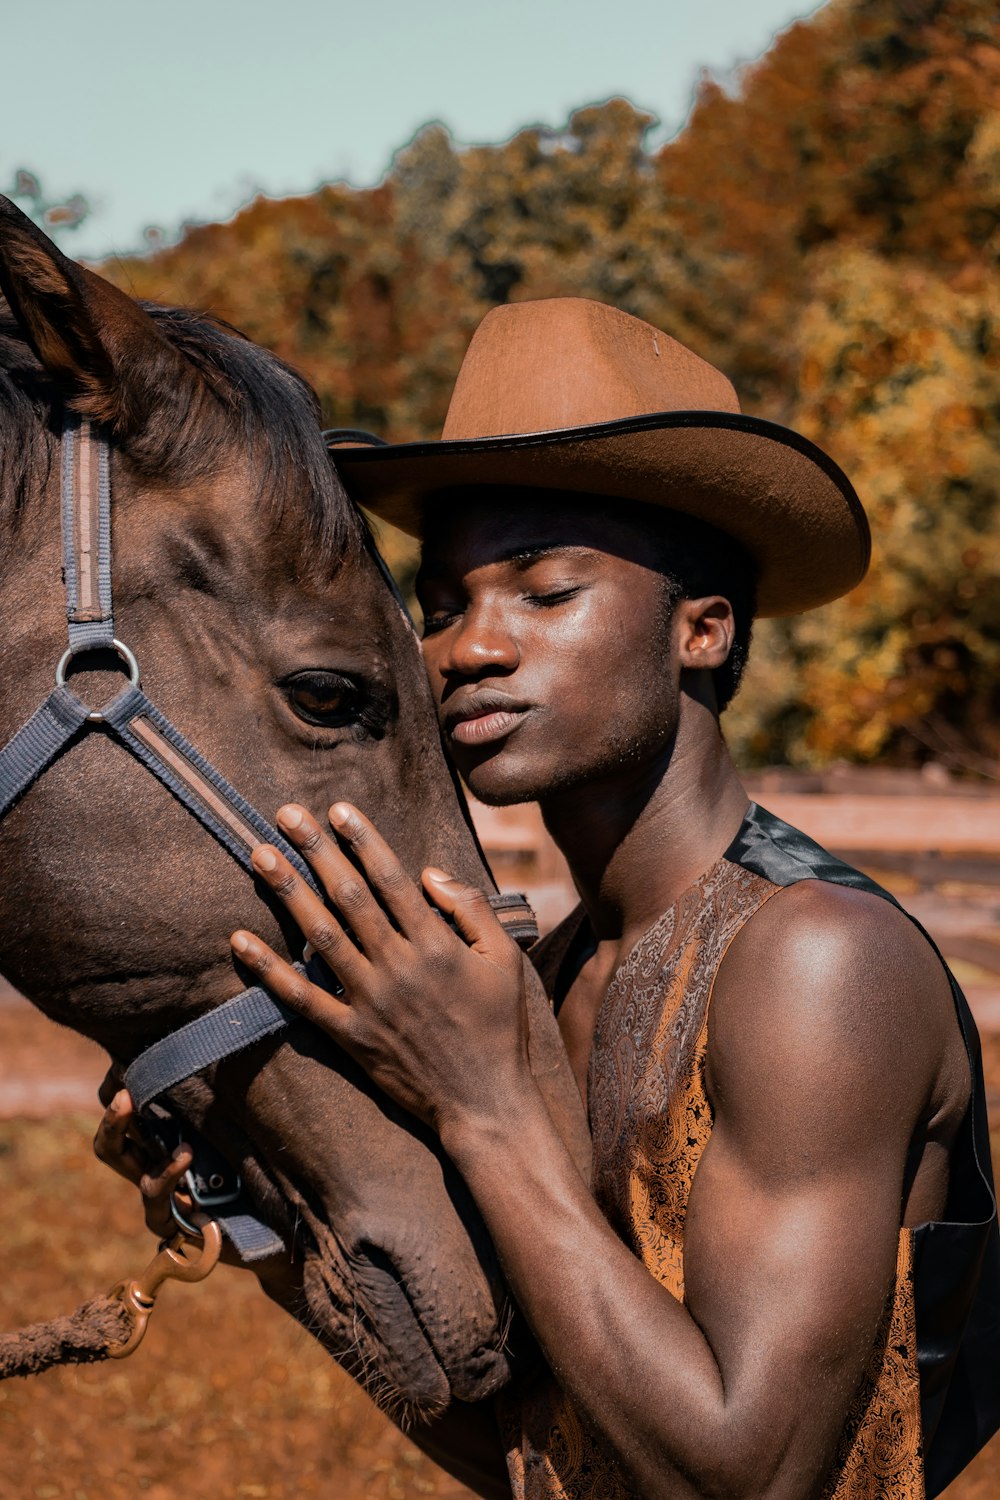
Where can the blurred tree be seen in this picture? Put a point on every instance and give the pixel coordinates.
(828, 232)
(900, 376)
(54, 215)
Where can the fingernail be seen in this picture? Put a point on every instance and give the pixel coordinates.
(180, 1151)
(119, 1102)
(438, 876)
(340, 815)
(240, 942)
(265, 859)
(290, 816)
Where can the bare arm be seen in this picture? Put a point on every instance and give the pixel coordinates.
(827, 1024)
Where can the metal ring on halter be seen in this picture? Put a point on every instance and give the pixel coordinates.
(127, 656)
(182, 1222)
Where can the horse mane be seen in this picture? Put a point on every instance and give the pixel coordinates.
(262, 408)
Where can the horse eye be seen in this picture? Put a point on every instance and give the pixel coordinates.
(324, 698)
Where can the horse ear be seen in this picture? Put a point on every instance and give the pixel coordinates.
(102, 350)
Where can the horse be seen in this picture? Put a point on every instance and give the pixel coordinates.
(249, 589)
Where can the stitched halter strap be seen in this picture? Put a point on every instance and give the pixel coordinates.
(134, 720)
(86, 523)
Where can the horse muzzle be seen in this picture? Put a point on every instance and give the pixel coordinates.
(414, 1327)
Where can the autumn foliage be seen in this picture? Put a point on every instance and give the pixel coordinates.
(828, 232)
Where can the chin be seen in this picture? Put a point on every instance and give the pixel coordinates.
(499, 785)
(495, 783)
(502, 796)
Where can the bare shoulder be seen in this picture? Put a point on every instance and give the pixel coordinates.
(843, 935)
(839, 994)
(839, 951)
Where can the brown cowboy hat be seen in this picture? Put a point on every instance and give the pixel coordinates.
(568, 394)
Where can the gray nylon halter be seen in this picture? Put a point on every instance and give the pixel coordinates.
(63, 719)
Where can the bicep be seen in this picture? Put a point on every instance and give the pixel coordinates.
(788, 1282)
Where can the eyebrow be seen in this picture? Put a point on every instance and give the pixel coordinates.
(522, 556)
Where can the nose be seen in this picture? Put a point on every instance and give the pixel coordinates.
(478, 646)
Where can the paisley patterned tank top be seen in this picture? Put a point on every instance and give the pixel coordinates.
(651, 1120)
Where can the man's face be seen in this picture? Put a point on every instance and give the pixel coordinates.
(546, 640)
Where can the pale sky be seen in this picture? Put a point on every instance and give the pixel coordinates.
(166, 112)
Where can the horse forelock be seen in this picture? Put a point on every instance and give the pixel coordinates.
(257, 408)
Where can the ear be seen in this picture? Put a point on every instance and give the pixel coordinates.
(102, 350)
(704, 631)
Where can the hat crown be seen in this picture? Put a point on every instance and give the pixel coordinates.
(570, 362)
(571, 395)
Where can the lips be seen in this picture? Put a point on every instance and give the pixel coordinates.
(483, 718)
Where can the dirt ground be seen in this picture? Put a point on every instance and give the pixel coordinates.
(227, 1399)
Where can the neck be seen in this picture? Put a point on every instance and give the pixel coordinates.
(638, 838)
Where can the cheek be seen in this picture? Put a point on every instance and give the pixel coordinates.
(602, 652)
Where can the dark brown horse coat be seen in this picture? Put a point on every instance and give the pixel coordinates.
(246, 585)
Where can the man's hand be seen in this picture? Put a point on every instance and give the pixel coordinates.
(122, 1144)
(435, 1016)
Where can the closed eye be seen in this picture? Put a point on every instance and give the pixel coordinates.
(553, 597)
(548, 599)
(438, 621)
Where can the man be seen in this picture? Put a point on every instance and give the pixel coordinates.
(779, 1074)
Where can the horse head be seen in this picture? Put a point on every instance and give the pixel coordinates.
(248, 589)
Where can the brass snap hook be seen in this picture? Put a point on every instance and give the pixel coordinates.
(172, 1262)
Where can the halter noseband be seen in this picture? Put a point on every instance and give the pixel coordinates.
(135, 721)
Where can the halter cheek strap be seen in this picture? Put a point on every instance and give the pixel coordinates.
(86, 526)
(135, 721)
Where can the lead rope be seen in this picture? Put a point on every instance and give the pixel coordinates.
(83, 1338)
(113, 1326)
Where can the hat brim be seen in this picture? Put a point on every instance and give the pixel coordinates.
(781, 497)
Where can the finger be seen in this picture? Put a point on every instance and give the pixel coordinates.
(119, 1143)
(157, 1187)
(110, 1084)
(401, 896)
(347, 889)
(159, 1212)
(469, 910)
(289, 986)
(317, 923)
